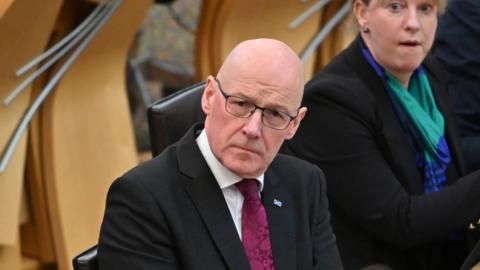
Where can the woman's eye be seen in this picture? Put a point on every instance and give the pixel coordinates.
(395, 7)
(426, 8)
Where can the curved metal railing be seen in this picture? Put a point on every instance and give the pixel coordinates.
(79, 37)
(82, 35)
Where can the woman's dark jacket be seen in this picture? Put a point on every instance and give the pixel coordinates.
(380, 214)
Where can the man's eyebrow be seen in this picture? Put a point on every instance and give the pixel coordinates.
(276, 107)
(279, 108)
(270, 106)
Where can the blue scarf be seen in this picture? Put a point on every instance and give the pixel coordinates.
(422, 121)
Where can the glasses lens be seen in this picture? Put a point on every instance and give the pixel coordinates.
(275, 119)
(239, 107)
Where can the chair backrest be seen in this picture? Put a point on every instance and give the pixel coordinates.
(87, 260)
(170, 117)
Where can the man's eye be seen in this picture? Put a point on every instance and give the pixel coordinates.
(274, 114)
(241, 103)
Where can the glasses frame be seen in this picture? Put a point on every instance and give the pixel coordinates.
(227, 96)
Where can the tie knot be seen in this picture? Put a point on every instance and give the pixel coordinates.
(249, 189)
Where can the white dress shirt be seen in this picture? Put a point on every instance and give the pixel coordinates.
(226, 180)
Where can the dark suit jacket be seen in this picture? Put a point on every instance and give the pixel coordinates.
(379, 212)
(170, 213)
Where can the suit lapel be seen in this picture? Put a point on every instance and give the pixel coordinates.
(390, 130)
(277, 205)
(210, 203)
(208, 199)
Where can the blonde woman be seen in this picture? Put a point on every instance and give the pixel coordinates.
(380, 126)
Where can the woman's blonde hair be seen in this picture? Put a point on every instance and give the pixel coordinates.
(351, 26)
(441, 4)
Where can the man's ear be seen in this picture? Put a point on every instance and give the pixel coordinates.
(360, 12)
(208, 94)
(296, 123)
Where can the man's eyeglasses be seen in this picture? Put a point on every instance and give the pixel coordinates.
(242, 108)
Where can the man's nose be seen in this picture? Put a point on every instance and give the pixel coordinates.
(254, 124)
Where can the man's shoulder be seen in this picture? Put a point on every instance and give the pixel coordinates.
(292, 167)
(301, 178)
(292, 161)
(160, 169)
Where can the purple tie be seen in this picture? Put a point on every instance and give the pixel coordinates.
(255, 233)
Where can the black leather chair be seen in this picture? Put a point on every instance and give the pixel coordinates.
(87, 260)
(168, 119)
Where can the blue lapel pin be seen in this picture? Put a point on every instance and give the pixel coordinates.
(277, 203)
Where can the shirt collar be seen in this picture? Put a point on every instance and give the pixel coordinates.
(224, 176)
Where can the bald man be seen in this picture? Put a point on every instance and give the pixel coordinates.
(222, 197)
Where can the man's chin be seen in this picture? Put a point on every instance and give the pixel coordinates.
(246, 170)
